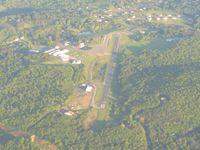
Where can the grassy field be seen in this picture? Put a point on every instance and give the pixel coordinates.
(158, 43)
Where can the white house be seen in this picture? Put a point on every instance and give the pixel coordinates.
(165, 18)
(89, 88)
(16, 40)
(69, 113)
(86, 87)
(22, 38)
(76, 62)
(57, 47)
(81, 45)
(66, 43)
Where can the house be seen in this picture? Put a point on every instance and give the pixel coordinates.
(142, 32)
(16, 40)
(66, 43)
(169, 15)
(125, 13)
(76, 62)
(158, 19)
(99, 20)
(81, 45)
(57, 47)
(33, 138)
(149, 19)
(165, 18)
(86, 87)
(34, 51)
(164, 97)
(22, 38)
(89, 88)
(174, 18)
(68, 112)
(49, 51)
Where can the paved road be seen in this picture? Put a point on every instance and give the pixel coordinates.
(109, 73)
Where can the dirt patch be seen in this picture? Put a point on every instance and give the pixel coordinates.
(85, 100)
(82, 101)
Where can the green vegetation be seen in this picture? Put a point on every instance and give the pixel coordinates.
(148, 77)
(38, 87)
(153, 102)
(19, 143)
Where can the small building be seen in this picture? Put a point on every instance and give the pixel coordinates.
(34, 51)
(33, 138)
(149, 19)
(22, 38)
(81, 45)
(158, 19)
(164, 97)
(89, 88)
(99, 20)
(169, 15)
(66, 43)
(86, 87)
(68, 112)
(165, 18)
(76, 62)
(174, 18)
(110, 15)
(16, 40)
(142, 32)
(57, 47)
